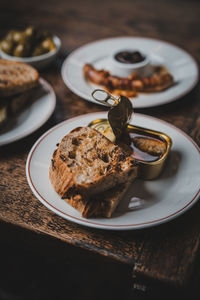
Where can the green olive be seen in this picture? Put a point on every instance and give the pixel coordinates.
(38, 36)
(30, 35)
(48, 45)
(25, 41)
(6, 46)
(20, 51)
(9, 36)
(30, 31)
(30, 42)
(38, 51)
(18, 37)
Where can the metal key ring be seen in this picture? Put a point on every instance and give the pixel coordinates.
(105, 100)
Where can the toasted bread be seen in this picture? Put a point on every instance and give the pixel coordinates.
(11, 106)
(103, 204)
(16, 77)
(86, 161)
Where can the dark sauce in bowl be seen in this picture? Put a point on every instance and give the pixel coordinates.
(129, 57)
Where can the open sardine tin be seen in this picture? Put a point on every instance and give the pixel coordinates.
(148, 168)
(148, 147)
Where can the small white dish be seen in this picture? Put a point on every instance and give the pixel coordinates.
(120, 69)
(40, 61)
(179, 63)
(32, 117)
(152, 202)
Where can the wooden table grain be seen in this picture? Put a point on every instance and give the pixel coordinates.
(167, 253)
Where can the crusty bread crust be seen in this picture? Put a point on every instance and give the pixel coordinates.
(90, 172)
(16, 77)
(15, 105)
(86, 161)
(103, 204)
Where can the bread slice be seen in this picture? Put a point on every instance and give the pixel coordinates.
(3, 115)
(13, 105)
(87, 162)
(16, 77)
(103, 204)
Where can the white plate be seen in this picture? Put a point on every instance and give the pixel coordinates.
(32, 117)
(154, 202)
(179, 63)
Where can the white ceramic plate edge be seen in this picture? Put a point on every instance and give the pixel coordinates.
(136, 105)
(48, 87)
(93, 224)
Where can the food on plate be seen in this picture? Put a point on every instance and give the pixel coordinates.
(130, 86)
(143, 146)
(103, 204)
(152, 146)
(93, 166)
(139, 142)
(17, 83)
(136, 142)
(90, 172)
(149, 147)
(129, 57)
(16, 77)
(27, 43)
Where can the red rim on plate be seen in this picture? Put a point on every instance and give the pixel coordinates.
(82, 94)
(100, 225)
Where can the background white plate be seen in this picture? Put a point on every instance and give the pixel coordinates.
(179, 63)
(154, 202)
(32, 117)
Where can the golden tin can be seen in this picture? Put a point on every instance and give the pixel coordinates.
(149, 147)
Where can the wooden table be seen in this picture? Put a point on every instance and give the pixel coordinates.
(166, 254)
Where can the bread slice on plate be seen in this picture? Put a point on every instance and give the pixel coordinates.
(11, 106)
(17, 85)
(16, 77)
(87, 168)
(103, 204)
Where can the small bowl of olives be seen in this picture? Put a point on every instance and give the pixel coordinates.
(33, 46)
